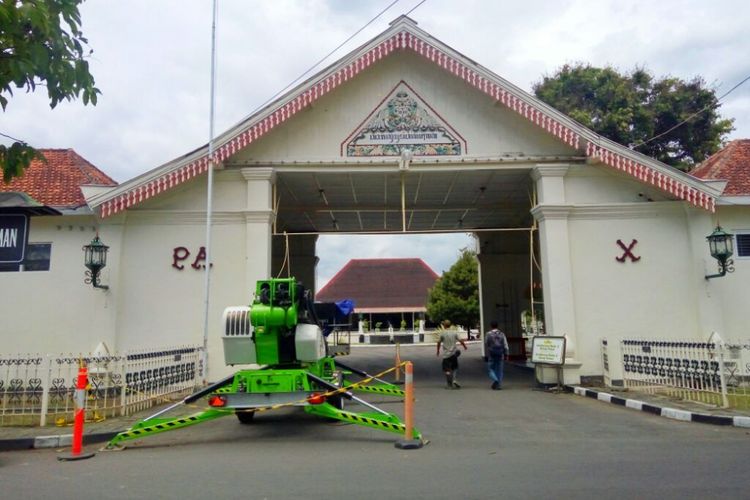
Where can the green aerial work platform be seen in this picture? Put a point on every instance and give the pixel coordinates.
(280, 332)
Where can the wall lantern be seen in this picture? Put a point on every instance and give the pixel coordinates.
(721, 245)
(95, 259)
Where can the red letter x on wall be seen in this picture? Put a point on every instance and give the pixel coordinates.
(627, 252)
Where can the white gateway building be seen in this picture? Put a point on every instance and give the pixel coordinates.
(402, 135)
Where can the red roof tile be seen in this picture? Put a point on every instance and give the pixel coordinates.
(381, 283)
(732, 163)
(57, 182)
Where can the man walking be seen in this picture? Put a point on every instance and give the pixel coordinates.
(497, 352)
(449, 339)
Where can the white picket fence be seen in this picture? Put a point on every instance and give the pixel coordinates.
(714, 372)
(40, 389)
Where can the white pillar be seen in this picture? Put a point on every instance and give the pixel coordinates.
(259, 218)
(557, 280)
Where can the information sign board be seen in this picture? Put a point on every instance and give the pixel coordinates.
(548, 350)
(12, 237)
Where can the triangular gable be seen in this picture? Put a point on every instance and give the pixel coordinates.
(404, 35)
(403, 120)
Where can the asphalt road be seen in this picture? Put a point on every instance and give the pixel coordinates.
(517, 443)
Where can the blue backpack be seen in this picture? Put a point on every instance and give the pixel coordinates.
(496, 344)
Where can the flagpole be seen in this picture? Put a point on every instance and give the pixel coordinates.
(209, 189)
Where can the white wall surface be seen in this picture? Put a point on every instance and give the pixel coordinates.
(731, 291)
(54, 311)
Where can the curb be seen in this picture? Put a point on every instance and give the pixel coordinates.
(673, 413)
(57, 441)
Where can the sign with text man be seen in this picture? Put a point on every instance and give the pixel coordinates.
(13, 232)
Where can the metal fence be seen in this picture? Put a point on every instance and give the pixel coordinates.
(713, 372)
(40, 389)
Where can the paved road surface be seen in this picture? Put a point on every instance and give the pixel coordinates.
(516, 443)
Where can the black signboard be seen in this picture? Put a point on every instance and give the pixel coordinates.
(13, 234)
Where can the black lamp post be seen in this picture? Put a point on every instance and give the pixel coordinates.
(721, 245)
(95, 259)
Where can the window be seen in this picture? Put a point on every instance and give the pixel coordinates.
(37, 258)
(743, 245)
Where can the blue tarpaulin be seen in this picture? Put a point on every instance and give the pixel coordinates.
(345, 307)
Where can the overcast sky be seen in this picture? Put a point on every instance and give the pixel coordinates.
(151, 61)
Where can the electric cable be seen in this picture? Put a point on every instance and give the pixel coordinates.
(693, 115)
(277, 94)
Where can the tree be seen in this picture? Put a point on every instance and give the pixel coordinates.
(41, 44)
(641, 112)
(455, 295)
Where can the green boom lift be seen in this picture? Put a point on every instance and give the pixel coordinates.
(281, 334)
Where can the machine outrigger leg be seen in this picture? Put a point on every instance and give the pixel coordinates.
(154, 424)
(377, 419)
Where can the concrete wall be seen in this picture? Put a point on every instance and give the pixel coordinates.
(662, 294)
(730, 293)
(54, 311)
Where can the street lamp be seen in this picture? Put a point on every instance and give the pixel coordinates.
(721, 245)
(95, 259)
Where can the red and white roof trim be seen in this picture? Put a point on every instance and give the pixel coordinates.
(527, 107)
(650, 175)
(154, 187)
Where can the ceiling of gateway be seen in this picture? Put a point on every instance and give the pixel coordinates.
(371, 201)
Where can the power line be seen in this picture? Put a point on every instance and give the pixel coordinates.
(415, 7)
(693, 115)
(13, 138)
(328, 55)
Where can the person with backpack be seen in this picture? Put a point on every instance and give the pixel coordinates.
(497, 352)
(449, 339)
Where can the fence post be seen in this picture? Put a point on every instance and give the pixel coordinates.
(722, 377)
(46, 376)
(124, 383)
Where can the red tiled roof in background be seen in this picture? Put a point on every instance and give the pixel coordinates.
(381, 285)
(732, 163)
(57, 182)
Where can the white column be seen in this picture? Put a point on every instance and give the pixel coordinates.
(557, 280)
(259, 218)
(478, 251)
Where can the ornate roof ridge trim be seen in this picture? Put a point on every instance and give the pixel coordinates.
(652, 176)
(402, 40)
(483, 80)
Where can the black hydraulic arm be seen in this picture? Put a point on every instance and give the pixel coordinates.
(195, 396)
(209, 388)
